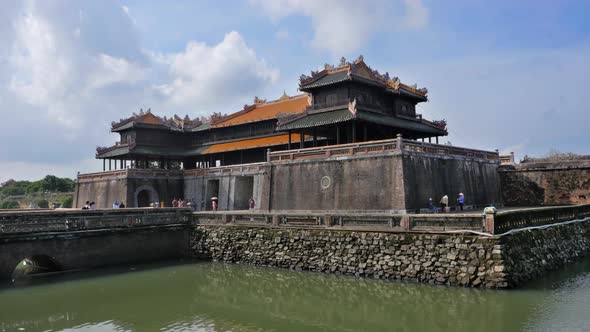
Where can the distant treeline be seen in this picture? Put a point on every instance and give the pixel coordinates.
(36, 192)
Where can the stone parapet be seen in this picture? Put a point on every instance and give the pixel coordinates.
(23, 223)
(379, 148)
(350, 220)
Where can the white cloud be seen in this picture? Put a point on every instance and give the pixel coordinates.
(416, 14)
(41, 72)
(53, 70)
(282, 34)
(344, 26)
(110, 70)
(67, 72)
(210, 76)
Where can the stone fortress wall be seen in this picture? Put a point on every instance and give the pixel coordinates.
(449, 259)
(391, 175)
(540, 182)
(129, 186)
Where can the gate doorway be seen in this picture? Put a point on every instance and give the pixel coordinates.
(243, 192)
(143, 198)
(212, 191)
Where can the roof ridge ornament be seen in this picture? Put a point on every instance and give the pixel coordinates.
(342, 62)
(259, 100)
(284, 96)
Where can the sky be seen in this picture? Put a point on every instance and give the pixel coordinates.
(507, 75)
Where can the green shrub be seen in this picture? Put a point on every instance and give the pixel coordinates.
(67, 202)
(9, 205)
(42, 203)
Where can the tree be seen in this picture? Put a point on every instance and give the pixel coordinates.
(67, 202)
(51, 183)
(15, 188)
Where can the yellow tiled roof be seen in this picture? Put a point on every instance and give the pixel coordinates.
(266, 111)
(252, 143)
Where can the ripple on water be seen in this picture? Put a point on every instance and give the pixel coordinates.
(218, 297)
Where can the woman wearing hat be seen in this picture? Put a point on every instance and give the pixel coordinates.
(461, 200)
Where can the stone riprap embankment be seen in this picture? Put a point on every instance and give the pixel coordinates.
(529, 254)
(429, 258)
(449, 259)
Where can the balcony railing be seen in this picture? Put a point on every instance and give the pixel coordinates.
(336, 103)
(226, 170)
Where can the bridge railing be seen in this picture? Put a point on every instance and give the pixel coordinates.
(515, 219)
(20, 222)
(371, 221)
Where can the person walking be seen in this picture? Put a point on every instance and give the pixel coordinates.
(174, 202)
(251, 204)
(461, 201)
(444, 202)
(430, 205)
(116, 204)
(180, 202)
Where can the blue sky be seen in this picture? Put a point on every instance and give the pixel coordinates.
(510, 75)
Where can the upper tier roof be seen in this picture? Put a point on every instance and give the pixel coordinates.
(149, 119)
(358, 70)
(262, 110)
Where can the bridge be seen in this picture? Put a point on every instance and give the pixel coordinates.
(62, 240)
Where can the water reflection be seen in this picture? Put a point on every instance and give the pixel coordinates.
(567, 304)
(217, 297)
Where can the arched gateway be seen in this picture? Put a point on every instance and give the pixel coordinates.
(144, 195)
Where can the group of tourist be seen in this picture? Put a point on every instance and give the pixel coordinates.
(444, 203)
(180, 203)
(251, 204)
(92, 206)
(118, 205)
(175, 203)
(89, 206)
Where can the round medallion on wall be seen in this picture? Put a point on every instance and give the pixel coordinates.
(325, 182)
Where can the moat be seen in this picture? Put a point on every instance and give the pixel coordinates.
(202, 296)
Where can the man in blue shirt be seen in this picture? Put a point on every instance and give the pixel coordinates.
(461, 200)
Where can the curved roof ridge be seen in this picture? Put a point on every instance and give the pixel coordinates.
(282, 100)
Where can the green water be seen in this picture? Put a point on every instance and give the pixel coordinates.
(216, 297)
